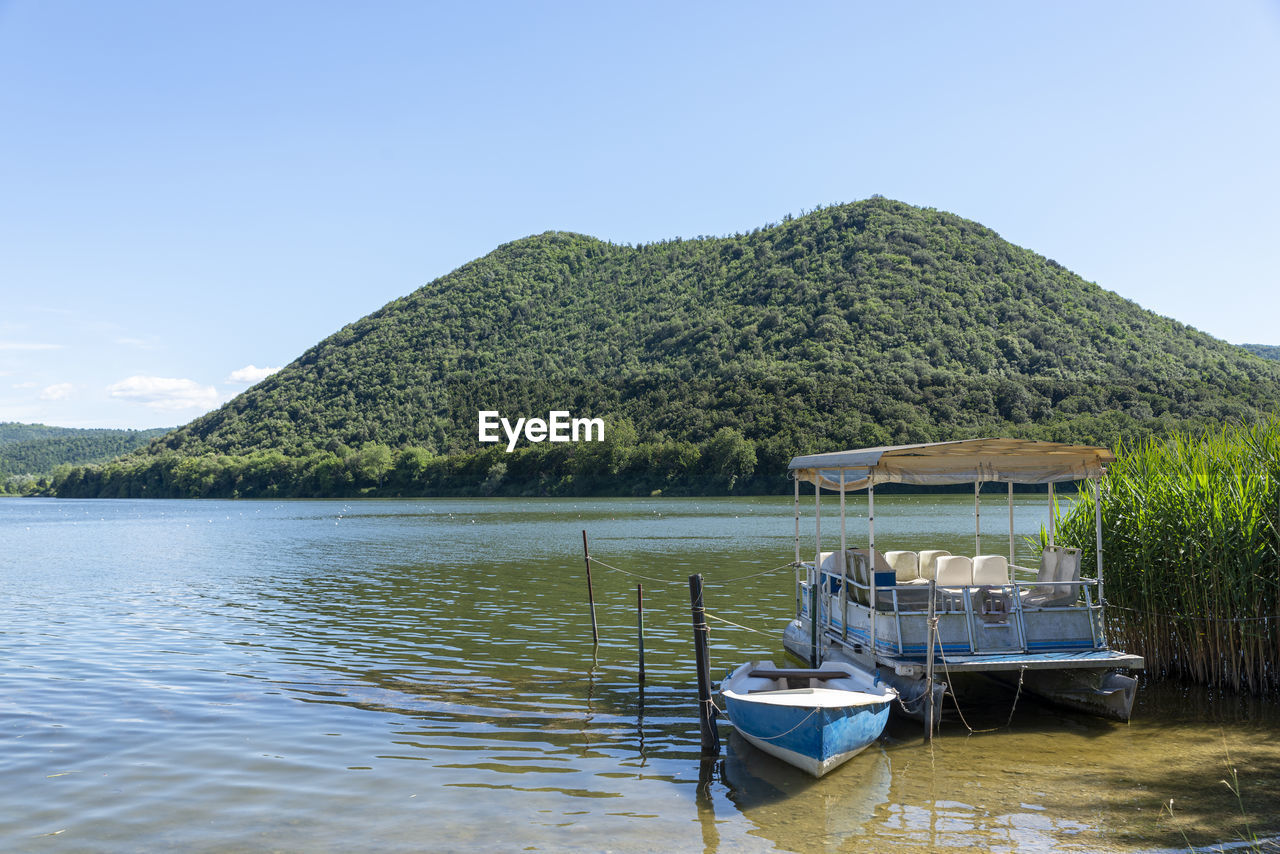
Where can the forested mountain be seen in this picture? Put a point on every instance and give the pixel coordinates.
(862, 324)
(31, 451)
(1266, 351)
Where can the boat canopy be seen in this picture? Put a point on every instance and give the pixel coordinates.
(962, 461)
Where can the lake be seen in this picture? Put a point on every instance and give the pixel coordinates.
(418, 675)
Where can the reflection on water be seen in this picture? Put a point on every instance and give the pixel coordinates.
(419, 675)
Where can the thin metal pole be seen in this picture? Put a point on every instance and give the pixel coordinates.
(977, 519)
(1097, 530)
(813, 625)
(844, 565)
(843, 544)
(797, 506)
(799, 591)
(817, 522)
(815, 577)
(928, 661)
(591, 597)
(706, 708)
(1051, 514)
(640, 625)
(1011, 560)
(871, 561)
(871, 521)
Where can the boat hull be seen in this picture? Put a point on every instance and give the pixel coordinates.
(815, 729)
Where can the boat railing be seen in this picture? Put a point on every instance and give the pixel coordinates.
(996, 604)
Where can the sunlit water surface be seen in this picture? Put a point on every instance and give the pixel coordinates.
(419, 676)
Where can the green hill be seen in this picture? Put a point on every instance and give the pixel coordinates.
(712, 361)
(1266, 351)
(29, 452)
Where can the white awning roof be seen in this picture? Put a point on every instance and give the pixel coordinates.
(963, 461)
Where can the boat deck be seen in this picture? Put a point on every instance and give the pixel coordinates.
(1098, 658)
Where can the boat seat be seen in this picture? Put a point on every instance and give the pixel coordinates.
(990, 570)
(1057, 564)
(881, 564)
(906, 565)
(833, 563)
(861, 572)
(822, 675)
(954, 571)
(929, 562)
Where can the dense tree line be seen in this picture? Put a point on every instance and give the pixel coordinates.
(619, 465)
(1266, 351)
(29, 453)
(862, 324)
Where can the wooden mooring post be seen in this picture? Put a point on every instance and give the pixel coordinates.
(706, 708)
(591, 598)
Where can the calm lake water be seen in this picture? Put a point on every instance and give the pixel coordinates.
(419, 676)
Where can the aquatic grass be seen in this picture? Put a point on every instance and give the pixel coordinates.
(1247, 839)
(1191, 540)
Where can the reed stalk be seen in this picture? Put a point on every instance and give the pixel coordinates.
(1191, 540)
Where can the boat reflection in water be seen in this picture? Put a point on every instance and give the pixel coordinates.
(837, 808)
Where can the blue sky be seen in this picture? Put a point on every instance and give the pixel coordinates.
(193, 192)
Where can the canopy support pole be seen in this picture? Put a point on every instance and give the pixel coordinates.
(815, 579)
(844, 565)
(1053, 505)
(1097, 531)
(1011, 561)
(797, 507)
(977, 519)
(799, 589)
(871, 523)
(871, 561)
(843, 543)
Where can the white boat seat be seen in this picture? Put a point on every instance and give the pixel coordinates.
(880, 563)
(954, 571)
(990, 570)
(1061, 564)
(795, 673)
(929, 561)
(833, 562)
(905, 566)
(954, 574)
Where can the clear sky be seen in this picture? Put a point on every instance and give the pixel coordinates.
(192, 192)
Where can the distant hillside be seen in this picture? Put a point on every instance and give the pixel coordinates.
(1266, 351)
(12, 431)
(35, 450)
(862, 324)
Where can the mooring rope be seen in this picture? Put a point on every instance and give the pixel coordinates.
(1017, 695)
(594, 559)
(736, 625)
(802, 722)
(748, 577)
(720, 583)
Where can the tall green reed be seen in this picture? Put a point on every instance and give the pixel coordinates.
(1191, 546)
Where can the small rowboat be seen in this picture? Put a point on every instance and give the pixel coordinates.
(814, 719)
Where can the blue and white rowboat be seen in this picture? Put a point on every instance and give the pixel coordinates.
(814, 719)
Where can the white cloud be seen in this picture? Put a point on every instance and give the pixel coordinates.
(25, 384)
(140, 343)
(250, 374)
(58, 391)
(165, 393)
(27, 345)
